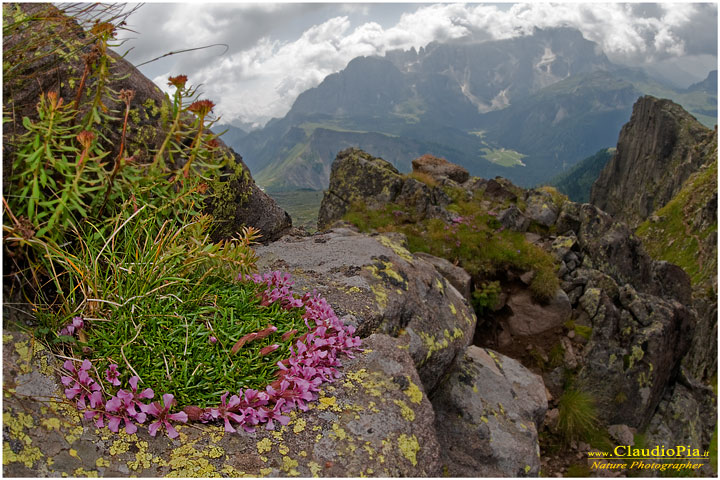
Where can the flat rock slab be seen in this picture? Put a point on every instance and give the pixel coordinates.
(374, 421)
(377, 285)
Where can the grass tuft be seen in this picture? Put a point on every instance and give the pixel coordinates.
(577, 419)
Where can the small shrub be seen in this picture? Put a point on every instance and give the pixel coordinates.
(484, 297)
(577, 419)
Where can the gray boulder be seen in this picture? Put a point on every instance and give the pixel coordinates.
(540, 208)
(487, 415)
(381, 288)
(632, 353)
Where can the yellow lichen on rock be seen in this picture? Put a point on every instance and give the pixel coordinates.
(406, 412)
(289, 466)
(413, 392)
(299, 426)
(315, 468)
(27, 456)
(380, 295)
(409, 447)
(399, 250)
(81, 472)
(264, 445)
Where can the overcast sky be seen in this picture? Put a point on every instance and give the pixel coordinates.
(276, 51)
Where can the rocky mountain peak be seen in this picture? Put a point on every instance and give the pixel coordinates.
(658, 149)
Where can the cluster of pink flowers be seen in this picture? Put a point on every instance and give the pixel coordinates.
(70, 329)
(314, 360)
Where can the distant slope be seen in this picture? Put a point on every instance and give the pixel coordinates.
(526, 108)
(684, 231)
(577, 181)
(700, 99)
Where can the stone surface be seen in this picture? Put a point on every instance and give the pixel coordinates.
(439, 167)
(687, 416)
(487, 415)
(375, 421)
(529, 317)
(358, 177)
(513, 219)
(384, 288)
(457, 276)
(622, 434)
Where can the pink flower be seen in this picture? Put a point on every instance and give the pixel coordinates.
(212, 340)
(122, 405)
(228, 411)
(112, 375)
(82, 383)
(163, 416)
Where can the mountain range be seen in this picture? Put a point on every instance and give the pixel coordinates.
(525, 108)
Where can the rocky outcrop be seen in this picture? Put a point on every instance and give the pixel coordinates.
(488, 413)
(246, 204)
(658, 149)
(374, 283)
(358, 177)
(374, 421)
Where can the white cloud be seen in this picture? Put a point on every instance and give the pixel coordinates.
(262, 73)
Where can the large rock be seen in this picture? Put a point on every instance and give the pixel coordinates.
(540, 208)
(440, 168)
(686, 416)
(359, 178)
(380, 287)
(634, 351)
(245, 204)
(374, 421)
(529, 317)
(658, 149)
(487, 415)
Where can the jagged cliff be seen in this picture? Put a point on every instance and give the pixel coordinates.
(658, 149)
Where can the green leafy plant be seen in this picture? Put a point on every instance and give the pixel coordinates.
(485, 296)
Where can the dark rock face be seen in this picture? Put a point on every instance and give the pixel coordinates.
(145, 132)
(487, 415)
(634, 351)
(658, 149)
(376, 420)
(378, 286)
(616, 251)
